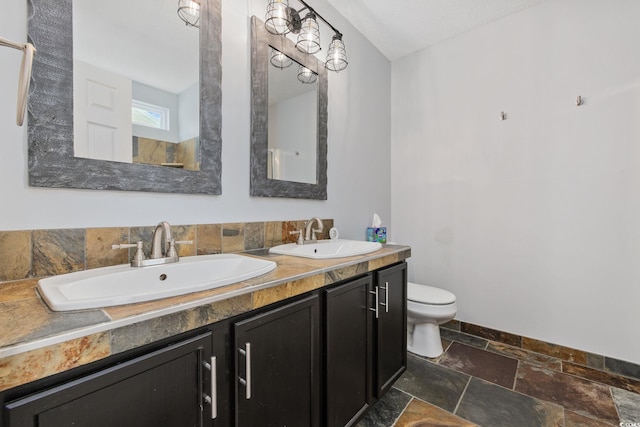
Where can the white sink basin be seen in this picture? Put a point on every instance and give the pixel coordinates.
(325, 249)
(123, 284)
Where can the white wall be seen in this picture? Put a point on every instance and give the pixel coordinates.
(293, 125)
(189, 113)
(533, 222)
(359, 133)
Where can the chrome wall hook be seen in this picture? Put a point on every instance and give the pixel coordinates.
(503, 115)
(579, 101)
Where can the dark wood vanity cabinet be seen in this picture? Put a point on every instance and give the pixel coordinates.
(365, 342)
(319, 359)
(166, 387)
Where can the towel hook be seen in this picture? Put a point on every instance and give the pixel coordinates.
(25, 75)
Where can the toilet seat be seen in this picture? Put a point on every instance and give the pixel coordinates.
(429, 295)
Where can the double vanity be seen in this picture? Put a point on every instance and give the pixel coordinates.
(313, 339)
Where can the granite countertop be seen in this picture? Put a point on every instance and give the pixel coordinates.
(36, 342)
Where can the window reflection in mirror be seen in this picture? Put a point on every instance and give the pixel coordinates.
(136, 83)
(292, 123)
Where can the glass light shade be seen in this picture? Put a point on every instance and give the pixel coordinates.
(337, 55)
(309, 37)
(279, 59)
(306, 76)
(189, 12)
(277, 19)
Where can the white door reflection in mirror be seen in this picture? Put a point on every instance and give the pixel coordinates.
(292, 126)
(102, 121)
(145, 42)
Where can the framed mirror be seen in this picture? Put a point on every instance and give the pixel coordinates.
(52, 159)
(288, 120)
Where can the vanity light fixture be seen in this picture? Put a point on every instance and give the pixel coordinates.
(280, 60)
(282, 19)
(337, 56)
(306, 76)
(189, 12)
(309, 35)
(25, 75)
(279, 18)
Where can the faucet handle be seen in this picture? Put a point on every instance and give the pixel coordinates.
(139, 256)
(183, 242)
(172, 246)
(123, 246)
(300, 238)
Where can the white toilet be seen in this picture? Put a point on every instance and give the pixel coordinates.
(427, 308)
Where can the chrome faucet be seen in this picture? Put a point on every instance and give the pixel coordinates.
(161, 242)
(310, 232)
(163, 248)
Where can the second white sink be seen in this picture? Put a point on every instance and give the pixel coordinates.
(325, 249)
(123, 284)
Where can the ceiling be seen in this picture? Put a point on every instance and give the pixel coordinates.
(148, 44)
(170, 61)
(400, 27)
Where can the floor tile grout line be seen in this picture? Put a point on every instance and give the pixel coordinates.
(461, 396)
(403, 409)
(515, 377)
(615, 405)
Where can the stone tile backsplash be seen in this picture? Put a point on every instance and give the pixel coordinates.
(15, 250)
(39, 253)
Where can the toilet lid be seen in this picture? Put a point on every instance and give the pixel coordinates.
(429, 294)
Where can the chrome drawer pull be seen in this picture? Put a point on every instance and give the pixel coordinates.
(213, 399)
(246, 382)
(377, 301)
(386, 297)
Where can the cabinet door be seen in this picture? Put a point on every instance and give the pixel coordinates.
(348, 354)
(222, 375)
(277, 367)
(163, 388)
(390, 326)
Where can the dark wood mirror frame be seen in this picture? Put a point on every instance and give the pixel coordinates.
(51, 156)
(261, 185)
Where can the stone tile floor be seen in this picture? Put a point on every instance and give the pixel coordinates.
(488, 384)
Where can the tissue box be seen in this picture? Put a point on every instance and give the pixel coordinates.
(377, 234)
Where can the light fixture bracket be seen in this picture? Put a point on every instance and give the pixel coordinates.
(294, 23)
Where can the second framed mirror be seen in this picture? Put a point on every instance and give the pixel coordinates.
(288, 119)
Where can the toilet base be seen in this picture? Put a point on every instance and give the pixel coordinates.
(423, 339)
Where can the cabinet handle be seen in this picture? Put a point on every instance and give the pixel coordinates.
(247, 380)
(377, 301)
(213, 399)
(386, 297)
